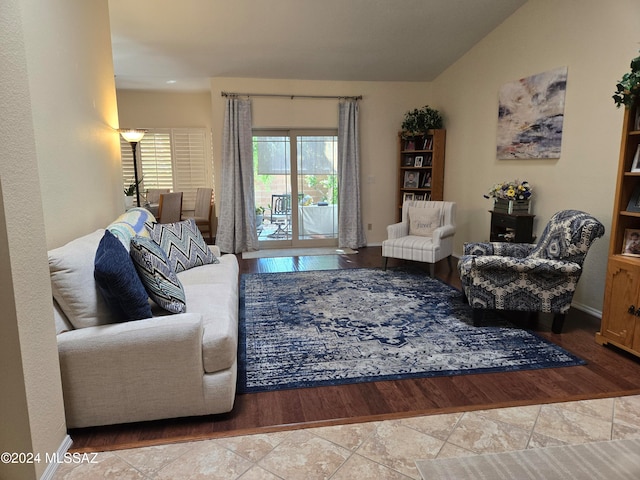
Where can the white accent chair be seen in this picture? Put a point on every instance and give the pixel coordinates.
(427, 237)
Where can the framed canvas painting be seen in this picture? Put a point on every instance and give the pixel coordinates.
(531, 116)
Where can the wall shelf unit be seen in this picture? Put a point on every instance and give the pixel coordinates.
(420, 167)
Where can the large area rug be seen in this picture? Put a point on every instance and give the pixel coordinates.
(304, 329)
(614, 460)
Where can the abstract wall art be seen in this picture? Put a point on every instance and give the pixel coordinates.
(530, 116)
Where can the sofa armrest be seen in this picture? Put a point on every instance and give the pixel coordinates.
(139, 370)
(397, 230)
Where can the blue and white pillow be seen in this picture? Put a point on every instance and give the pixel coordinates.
(184, 244)
(157, 274)
(118, 282)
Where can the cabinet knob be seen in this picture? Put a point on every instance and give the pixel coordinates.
(632, 310)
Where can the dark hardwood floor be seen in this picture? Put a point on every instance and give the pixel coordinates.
(608, 372)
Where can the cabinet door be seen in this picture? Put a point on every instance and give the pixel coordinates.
(621, 293)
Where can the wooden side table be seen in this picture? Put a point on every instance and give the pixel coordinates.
(511, 227)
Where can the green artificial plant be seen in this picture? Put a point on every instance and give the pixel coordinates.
(628, 88)
(131, 189)
(418, 121)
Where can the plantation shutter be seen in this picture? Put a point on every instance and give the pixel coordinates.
(189, 164)
(179, 159)
(155, 153)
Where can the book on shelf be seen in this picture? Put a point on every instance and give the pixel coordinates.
(427, 143)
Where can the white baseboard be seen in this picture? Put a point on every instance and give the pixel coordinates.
(51, 469)
(587, 309)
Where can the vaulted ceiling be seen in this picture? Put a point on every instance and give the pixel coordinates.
(179, 45)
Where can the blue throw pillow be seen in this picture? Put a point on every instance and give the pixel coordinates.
(157, 274)
(118, 281)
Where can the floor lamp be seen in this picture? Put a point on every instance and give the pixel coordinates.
(133, 136)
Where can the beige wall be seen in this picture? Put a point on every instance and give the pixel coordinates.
(138, 109)
(57, 167)
(596, 41)
(75, 115)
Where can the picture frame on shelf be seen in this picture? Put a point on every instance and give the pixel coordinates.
(426, 180)
(636, 123)
(635, 166)
(631, 243)
(410, 144)
(407, 196)
(634, 201)
(418, 196)
(407, 161)
(411, 179)
(418, 161)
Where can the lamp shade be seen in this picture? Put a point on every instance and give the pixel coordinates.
(132, 135)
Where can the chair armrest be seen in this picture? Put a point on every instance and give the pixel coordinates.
(443, 232)
(526, 265)
(507, 249)
(397, 230)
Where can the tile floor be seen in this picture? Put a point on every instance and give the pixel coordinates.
(376, 450)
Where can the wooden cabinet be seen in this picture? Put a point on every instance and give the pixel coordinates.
(622, 306)
(511, 227)
(421, 167)
(620, 314)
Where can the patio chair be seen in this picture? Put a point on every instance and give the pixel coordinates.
(281, 215)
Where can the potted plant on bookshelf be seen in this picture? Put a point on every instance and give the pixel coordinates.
(417, 121)
(511, 197)
(628, 88)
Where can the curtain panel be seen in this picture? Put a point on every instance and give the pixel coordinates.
(236, 224)
(350, 231)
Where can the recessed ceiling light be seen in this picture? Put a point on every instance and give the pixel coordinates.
(171, 81)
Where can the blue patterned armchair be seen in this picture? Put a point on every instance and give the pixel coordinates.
(528, 277)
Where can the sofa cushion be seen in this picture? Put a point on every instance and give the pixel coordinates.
(423, 221)
(73, 286)
(212, 290)
(130, 224)
(184, 244)
(157, 274)
(118, 281)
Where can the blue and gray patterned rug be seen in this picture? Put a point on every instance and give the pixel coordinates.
(307, 329)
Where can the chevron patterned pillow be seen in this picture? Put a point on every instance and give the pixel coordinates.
(157, 275)
(184, 244)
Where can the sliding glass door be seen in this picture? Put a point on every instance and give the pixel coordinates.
(296, 201)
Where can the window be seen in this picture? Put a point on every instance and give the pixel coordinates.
(176, 158)
(302, 165)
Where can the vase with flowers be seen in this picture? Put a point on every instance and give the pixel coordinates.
(511, 197)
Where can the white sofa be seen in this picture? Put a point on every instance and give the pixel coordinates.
(171, 365)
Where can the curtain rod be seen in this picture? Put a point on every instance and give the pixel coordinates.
(281, 95)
